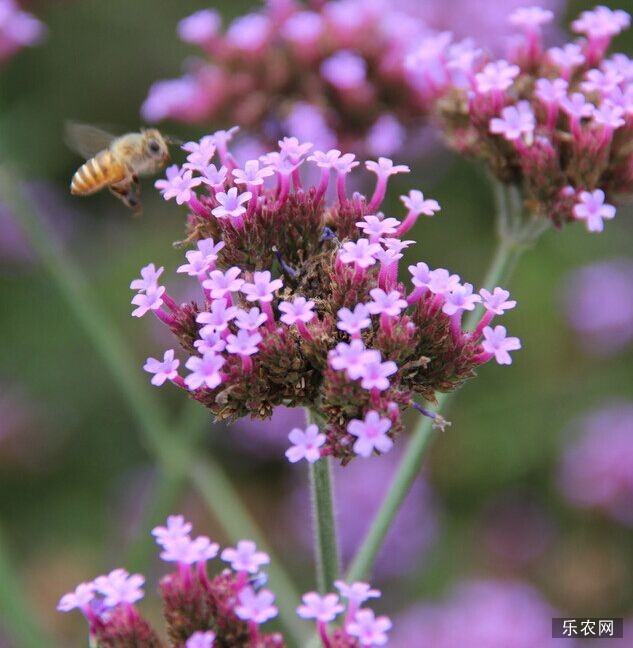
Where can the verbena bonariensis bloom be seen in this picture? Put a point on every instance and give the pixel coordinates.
(596, 470)
(333, 74)
(598, 300)
(18, 29)
(494, 614)
(222, 611)
(555, 122)
(301, 303)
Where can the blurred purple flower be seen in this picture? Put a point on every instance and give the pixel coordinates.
(18, 29)
(360, 488)
(596, 469)
(480, 614)
(598, 302)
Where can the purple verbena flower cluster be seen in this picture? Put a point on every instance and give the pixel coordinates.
(18, 29)
(332, 74)
(556, 122)
(213, 612)
(301, 303)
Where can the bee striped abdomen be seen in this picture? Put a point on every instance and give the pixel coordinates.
(98, 172)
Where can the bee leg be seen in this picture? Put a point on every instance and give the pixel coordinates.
(128, 194)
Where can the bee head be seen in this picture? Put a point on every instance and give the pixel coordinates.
(155, 145)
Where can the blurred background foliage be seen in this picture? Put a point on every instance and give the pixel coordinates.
(74, 475)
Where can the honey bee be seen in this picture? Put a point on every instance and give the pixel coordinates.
(116, 162)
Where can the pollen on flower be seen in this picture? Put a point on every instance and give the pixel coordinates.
(301, 302)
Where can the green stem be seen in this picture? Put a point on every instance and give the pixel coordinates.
(325, 546)
(323, 520)
(503, 262)
(17, 619)
(168, 446)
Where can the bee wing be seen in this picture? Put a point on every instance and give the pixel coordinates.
(87, 140)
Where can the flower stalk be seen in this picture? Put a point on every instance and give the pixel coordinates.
(323, 520)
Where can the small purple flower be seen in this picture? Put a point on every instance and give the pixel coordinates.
(180, 187)
(325, 160)
(567, 57)
(149, 278)
(356, 593)
(214, 177)
(497, 301)
(244, 343)
(255, 606)
(299, 310)
(150, 300)
(186, 551)
(199, 28)
(496, 342)
(530, 18)
(321, 608)
(361, 252)
(245, 557)
(390, 303)
(218, 318)
(345, 70)
(385, 167)
(119, 587)
(601, 22)
(609, 115)
(420, 275)
(249, 32)
(262, 288)
(496, 76)
(303, 27)
(577, 106)
(220, 284)
(165, 369)
(251, 174)
(205, 371)
(231, 204)
(172, 172)
(305, 444)
(200, 153)
(200, 260)
(460, 299)
(417, 204)
(353, 322)
(293, 149)
(442, 282)
(352, 358)
(370, 630)
(176, 527)
(251, 319)
(601, 82)
(515, 122)
(372, 434)
(551, 91)
(375, 227)
(79, 599)
(593, 210)
(201, 639)
(386, 136)
(210, 341)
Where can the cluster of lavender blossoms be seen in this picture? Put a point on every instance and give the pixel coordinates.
(333, 74)
(223, 611)
(555, 122)
(18, 29)
(301, 304)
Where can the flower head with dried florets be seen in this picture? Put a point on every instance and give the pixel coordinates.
(555, 122)
(301, 304)
(224, 611)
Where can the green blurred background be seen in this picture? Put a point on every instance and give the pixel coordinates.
(75, 478)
